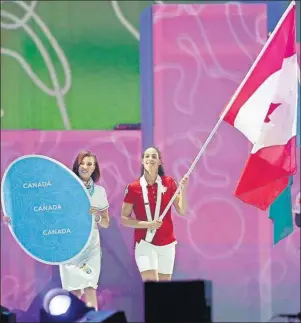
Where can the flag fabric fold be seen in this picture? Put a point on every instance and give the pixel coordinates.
(264, 109)
(282, 215)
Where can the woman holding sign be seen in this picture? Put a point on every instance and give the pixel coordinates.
(82, 277)
(148, 197)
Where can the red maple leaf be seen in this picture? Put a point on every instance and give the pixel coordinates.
(272, 108)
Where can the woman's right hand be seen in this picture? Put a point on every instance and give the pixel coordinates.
(156, 224)
(6, 219)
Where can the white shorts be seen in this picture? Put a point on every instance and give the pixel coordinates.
(151, 257)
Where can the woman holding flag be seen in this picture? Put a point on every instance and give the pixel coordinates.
(148, 197)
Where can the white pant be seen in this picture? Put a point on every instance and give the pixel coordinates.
(151, 257)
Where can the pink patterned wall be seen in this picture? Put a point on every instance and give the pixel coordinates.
(23, 278)
(201, 54)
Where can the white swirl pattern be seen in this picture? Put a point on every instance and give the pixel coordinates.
(57, 91)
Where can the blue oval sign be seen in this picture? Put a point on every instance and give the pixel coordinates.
(48, 206)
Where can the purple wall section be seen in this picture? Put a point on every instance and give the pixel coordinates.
(146, 77)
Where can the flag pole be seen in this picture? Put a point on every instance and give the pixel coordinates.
(221, 118)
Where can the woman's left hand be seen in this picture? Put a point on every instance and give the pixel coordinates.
(94, 211)
(183, 181)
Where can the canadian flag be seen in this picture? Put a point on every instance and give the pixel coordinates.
(264, 109)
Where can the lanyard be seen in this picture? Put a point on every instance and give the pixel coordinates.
(90, 186)
(160, 190)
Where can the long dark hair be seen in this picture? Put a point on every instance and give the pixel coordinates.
(161, 171)
(96, 174)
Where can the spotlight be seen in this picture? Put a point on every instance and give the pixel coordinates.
(59, 304)
(62, 306)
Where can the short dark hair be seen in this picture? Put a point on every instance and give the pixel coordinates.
(96, 174)
(161, 171)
